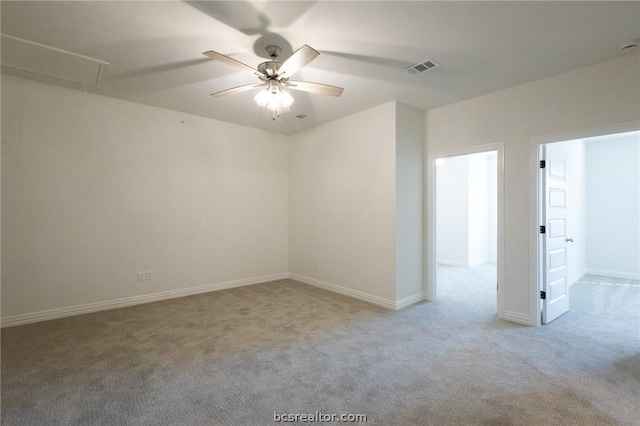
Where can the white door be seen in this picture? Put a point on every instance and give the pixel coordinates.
(555, 283)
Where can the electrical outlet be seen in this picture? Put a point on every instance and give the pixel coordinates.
(317, 265)
(147, 275)
(140, 277)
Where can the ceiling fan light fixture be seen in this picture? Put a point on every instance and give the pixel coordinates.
(274, 103)
(262, 98)
(274, 76)
(274, 99)
(285, 98)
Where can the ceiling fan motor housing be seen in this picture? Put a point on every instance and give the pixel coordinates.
(269, 68)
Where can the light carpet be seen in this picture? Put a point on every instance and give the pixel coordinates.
(235, 357)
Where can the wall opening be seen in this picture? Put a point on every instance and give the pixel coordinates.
(602, 241)
(466, 229)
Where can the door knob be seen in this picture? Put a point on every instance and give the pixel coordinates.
(569, 240)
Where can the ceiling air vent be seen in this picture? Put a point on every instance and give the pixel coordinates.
(422, 66)
(301, 116)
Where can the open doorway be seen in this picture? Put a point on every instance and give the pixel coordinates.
(466, 229)
(589, 215)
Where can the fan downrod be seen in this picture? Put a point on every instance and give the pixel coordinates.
(273, 51)
(270, 68)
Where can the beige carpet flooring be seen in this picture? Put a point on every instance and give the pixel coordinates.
(235, 357)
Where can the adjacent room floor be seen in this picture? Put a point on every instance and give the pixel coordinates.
(237, 356)
(472, 289)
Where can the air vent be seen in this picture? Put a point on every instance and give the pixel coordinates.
(38, 58)
(422, 66)
(301, 116)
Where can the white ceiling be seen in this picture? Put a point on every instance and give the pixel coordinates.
(155, 49)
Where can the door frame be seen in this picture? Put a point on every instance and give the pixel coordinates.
(430, 212)
(535, 200)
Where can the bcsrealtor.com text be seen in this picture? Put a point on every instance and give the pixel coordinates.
(318, 417)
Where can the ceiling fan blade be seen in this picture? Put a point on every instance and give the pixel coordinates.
(299, 59)
(322, 89)
(235, 90)
(230, 61)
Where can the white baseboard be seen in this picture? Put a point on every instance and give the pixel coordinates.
(518, 317)
(466, 264)
(451, 262)
(376, 300)
(134, 300)
(172, 294)
(616, 274)
(408, 301)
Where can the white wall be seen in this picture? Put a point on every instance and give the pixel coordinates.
(452, 211)
(482, 228)
(356, 206)
(574, 152)
(342, 204)
(96, 189)
(600, 95)
(492, 200)
(409, 203)
(466, 208)
(613, 206)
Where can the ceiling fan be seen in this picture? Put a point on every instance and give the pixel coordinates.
(275, 77)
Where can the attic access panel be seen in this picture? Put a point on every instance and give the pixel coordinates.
(45, 60)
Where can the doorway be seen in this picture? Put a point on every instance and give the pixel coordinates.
(589, 214)
(464, 241)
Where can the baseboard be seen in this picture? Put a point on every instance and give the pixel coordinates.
(134, 300)
(518, 317)
(172, 294)
(615, 274)
(408, 301)
(376, 300)
(451, 263)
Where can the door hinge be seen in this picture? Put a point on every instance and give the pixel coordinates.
(543, 164)
(543, 229)
(543, 295)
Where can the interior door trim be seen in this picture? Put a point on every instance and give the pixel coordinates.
(430, 228)
(535, 280)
